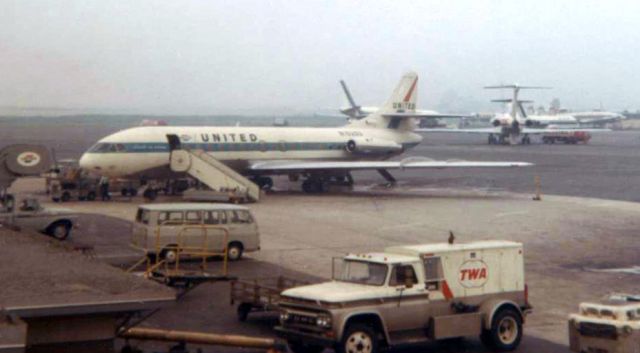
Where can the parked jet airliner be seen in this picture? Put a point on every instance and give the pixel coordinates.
(317, 155)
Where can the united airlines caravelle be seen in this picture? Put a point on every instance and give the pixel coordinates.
(318, 156)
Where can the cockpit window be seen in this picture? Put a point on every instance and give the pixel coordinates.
(103, 147)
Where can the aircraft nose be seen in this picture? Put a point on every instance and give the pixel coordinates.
(86, 162)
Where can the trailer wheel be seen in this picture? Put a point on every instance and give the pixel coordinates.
(66, 196)
(358, 338)
(297, 347)
(59, 230)
(243, 311)
(506, 331)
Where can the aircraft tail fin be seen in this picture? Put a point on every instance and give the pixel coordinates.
(397, 110)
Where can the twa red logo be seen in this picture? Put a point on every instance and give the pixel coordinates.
(473, 274)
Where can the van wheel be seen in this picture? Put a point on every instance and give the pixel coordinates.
(506, 331)
(169, 254)
(65, 197)
(297, 347)
(234, 251)
(358, 338)
(59, 230)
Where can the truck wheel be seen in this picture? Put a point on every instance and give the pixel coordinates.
(358, 338)
(65, 197)
(59, 230)
(506, 331)
(234, 251)
(91, 196)
(243, 311)
(296, 347)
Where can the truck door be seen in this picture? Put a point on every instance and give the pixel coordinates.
(405, 314)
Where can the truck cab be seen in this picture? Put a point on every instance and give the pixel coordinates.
(411, 294)
(611, 325)
(28, 213)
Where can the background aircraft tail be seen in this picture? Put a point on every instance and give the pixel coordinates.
(397, 112)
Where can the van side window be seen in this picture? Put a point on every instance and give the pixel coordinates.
(433, 275)
(215, 217)
(193, 217)
(242, 217)
(171, 218)
(400, 274)
(211, 217)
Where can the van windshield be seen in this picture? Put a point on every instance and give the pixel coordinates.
(361, 272)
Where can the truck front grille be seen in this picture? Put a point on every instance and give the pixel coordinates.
(304, 320)
(598, 330)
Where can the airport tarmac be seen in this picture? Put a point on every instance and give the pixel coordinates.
(568, 241)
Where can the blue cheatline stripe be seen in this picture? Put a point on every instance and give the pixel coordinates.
(159, 147)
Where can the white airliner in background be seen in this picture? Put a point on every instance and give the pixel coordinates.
(318, 155)
(355, 111)
(516, 126)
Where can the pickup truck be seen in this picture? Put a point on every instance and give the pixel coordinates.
(611, 325)
(28, 213)
(411, 294)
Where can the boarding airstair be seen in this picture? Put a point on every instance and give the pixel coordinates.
(209, 170)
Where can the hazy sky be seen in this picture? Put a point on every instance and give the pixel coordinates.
(207, 57)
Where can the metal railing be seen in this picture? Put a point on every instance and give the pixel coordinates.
(183, 247)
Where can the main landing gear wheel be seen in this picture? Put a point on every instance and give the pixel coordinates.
(358, 338)
(506, 331)
(150, 194)
(265, 183)
(313, 186)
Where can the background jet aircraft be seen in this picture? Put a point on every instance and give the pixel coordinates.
(318, 156)
(517, 126)
(355, 111)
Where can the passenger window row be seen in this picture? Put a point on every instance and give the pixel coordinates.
(204, 217)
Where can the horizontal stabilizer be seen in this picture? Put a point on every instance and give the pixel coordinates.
(510, 100)
(514, 86)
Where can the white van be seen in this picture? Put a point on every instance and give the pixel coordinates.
(160, 228)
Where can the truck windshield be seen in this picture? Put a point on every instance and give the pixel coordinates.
(360, 272)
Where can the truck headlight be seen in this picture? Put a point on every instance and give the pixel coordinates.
(324, 321)
(284, 316)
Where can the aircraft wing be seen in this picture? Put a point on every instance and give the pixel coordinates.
(498, 130)
(482, 130)
(408, 163)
